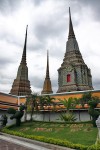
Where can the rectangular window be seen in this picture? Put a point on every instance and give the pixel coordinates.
(68, 78)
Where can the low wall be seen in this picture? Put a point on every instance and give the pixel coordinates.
(81, 115)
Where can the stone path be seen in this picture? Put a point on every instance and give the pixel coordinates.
(4, 145)
(10, 142)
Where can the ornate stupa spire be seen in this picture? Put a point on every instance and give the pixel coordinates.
(23, 61)
(71, 31)
(47, 88)
(73, 75)
(47, 69)
(21, 85)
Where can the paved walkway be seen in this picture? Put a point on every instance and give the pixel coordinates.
(4, 145)
(10, 142)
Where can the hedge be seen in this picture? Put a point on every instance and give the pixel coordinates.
(48, 140)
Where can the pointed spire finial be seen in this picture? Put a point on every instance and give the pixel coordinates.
(47, 87)
(24, 49)
(71, 31)
(47, 69)
(69, 13)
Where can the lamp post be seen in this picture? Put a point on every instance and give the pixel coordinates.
(98, 126)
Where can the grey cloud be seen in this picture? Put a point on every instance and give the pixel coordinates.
(53, 29)
(7, 6)
(57, 51)
(36, 46)
(50, 29)
(37, 2)
(36, 81)
(54, 84)
(51, 25)
(96, 83)
(6, 80)
(94, 4)
(39, 67)
(5, 62)
(47, 32)
(12, 39)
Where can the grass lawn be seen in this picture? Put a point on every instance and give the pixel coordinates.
(84, 134)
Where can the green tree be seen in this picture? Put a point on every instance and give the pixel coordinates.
(85, 98)
(11, 110)
(93, 102)
(68, 103)
(26, 108)
(33, 103)
(42, 103)
(17, 114)
(49, 102)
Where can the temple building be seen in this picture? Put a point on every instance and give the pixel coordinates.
(73, 75)
(21, 85)
(47, 87)
(10, 101)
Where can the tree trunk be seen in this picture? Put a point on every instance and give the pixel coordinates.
(25, 113)
(31, 114)
(49, 116)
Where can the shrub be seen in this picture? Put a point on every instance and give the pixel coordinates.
(68, 117)
(16, 114)
(92, 111)
(47, 140)
(11, 110)
(94, 147)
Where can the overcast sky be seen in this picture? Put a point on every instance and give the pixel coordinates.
(48, 22)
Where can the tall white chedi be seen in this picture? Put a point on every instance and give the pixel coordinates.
(73, 75)
(21, 85)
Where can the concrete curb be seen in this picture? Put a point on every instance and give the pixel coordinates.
(42, 144)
